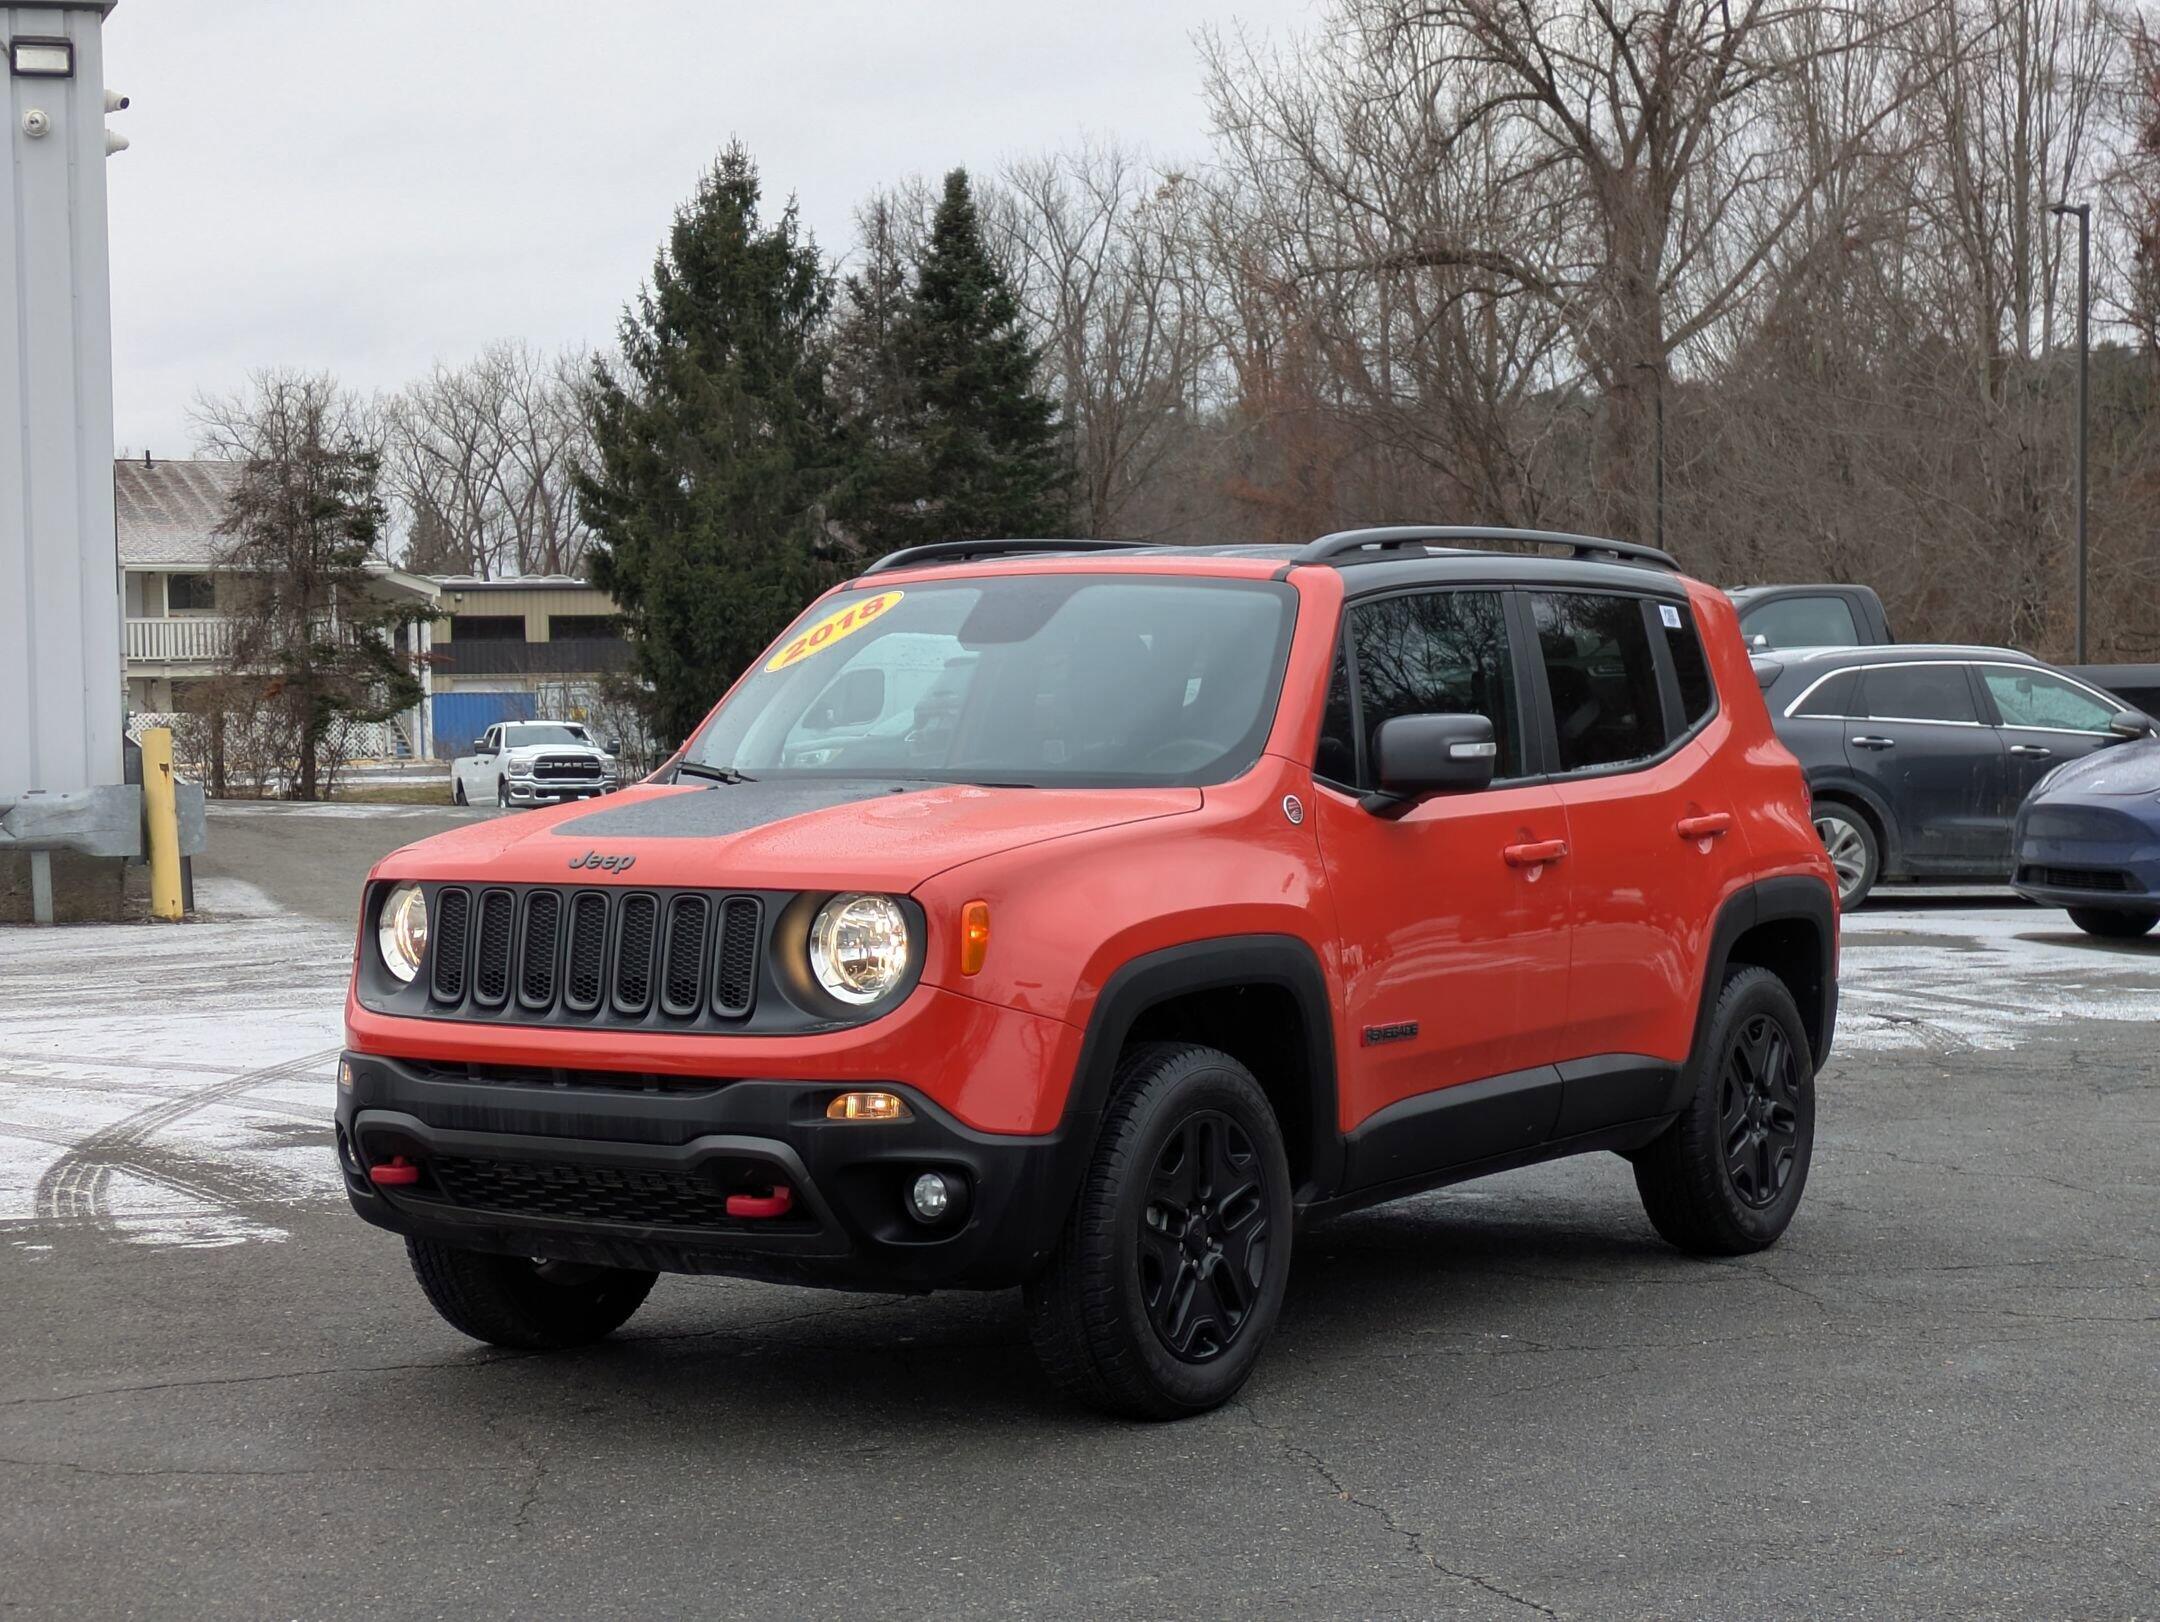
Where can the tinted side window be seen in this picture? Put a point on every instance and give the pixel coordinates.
(1697, 696)
(1602, 677)
(1336, 758)
(1834, 695)
(1802, 622)
(1918, 693)
(2033, 698)
(1437, 653)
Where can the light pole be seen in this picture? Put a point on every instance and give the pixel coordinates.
(2083, 211)
(1658, 372)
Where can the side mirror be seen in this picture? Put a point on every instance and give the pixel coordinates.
(480, 747)
(1418, 756)
(612, 747)
(2131, 725)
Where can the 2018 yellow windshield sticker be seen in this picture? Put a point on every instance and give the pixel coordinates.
(842, 622)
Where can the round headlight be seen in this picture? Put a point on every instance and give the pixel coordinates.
(401, 937)
(859, 947)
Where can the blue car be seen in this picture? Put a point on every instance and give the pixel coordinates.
(2088, 839)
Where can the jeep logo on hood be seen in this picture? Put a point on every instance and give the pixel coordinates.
(614, 864)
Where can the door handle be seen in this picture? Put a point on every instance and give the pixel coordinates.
(2037, 751)
(1868, 740)
(1536, 854)
(1708, 826)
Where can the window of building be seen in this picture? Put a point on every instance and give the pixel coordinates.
(582, 627)
(487, 628)
(1602, 677)
(190, 593)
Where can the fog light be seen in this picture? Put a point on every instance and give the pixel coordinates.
(930, 1197)
(868, 1107)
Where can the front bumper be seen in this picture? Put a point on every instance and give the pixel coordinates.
(538, 791)
(634, 1172)
(2071, 854)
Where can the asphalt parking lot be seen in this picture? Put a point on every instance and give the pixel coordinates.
(1940, 1395)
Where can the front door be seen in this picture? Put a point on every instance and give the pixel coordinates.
(2045, 719)
(1452, 916)
(1938, 767)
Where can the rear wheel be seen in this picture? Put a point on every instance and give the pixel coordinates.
(1173, 1264)
(524, 1302)
(1855, 852)
(2111, 925)
(1727, 1175)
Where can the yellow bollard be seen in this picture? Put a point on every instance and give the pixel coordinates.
(162, 815)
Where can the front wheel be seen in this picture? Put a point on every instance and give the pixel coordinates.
(525, 1302)
(457, 792)
(1174, 1261)
(502, 795)
(2111, 925)
(1727, 1175)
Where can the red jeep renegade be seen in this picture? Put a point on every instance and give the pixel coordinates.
(1085, 917)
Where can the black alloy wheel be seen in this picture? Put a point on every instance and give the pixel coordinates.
(1758, 1112)
(1204, 1235)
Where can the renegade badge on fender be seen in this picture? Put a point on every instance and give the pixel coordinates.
(974, 942)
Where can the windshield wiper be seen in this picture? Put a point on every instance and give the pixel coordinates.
(718, 774)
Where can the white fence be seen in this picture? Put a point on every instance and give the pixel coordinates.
(178, 641)
(353, 742)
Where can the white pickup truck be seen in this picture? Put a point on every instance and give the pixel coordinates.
(534, 763)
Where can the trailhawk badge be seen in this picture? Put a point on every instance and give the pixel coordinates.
(614, 864)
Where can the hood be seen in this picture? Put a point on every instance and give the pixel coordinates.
(2119, 770)
(525, 751)
(776, 835)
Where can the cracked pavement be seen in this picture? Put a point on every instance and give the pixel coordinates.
(1940, 1396)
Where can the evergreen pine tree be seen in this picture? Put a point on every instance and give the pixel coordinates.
(978, 451)
(715, 446)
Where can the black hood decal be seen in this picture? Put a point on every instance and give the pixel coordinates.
(724, 808)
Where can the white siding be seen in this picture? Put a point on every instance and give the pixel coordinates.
(60, 679)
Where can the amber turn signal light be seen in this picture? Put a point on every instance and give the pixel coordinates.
(974, 936)
(868, 1107)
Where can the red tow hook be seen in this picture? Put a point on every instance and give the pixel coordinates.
(758, 1207)
(396, 1172)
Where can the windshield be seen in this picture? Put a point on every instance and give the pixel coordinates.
(1024, 680)
(525, 734)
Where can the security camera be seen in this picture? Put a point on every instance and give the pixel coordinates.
(36, 122)
(115, 102)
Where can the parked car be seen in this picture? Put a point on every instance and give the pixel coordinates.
(1918, 756)
(2088, 840)
(1817, 616)
(1208, 891)
(534, 763)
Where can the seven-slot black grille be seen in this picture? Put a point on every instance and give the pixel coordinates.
(566, 769)
(2110, 880)
(622, 956)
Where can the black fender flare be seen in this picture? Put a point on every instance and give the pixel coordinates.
(1221, 963)
(1787, 897)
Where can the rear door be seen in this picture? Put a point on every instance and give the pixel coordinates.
(1650, 831)
(1453, 916)
(2043, 719)
(1940, 768)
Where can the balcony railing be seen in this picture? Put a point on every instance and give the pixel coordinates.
(178, 641)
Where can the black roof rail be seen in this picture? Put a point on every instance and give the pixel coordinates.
(909, 557)
(1346, 545)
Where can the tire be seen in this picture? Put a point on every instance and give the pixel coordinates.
(2111, 925)
(1725, 1178)
(1853, 848)
(502, 795)
(1161, 1293)
(457, 792)
(518, 1302)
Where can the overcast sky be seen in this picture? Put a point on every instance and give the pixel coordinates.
(365, 187)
